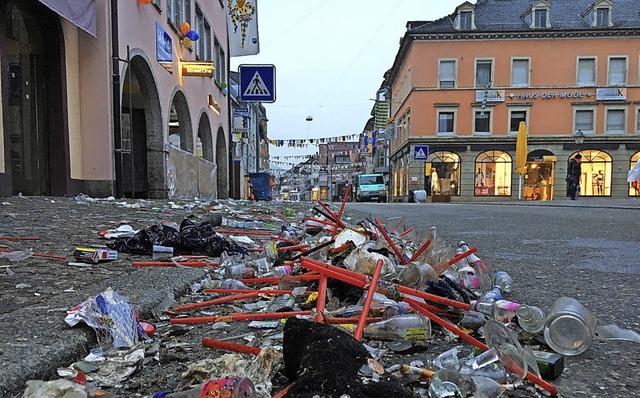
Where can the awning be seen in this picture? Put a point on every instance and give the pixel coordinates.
(81, 13)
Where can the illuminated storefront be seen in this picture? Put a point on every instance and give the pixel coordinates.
(493, 174)
(634, 187)
(445, 166)
(596, 173)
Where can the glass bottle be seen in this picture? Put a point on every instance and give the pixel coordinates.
(499, 310)
(240, 387)
(239, 271)
(232, 284)
(531, 318)
(410, 327)
(503, 280)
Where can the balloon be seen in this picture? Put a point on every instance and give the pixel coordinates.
(193, 35)
(185, 28)
(144, 1)
(225, 91)
(187, 42)
(223, 85)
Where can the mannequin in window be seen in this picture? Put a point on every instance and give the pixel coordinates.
(598, 182)
(435, 183)
(479, 178)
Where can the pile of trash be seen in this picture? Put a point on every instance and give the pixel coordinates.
(352, 299)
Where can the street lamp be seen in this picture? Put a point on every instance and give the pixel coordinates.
(309, 120)
(579, 137)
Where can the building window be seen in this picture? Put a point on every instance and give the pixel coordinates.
(514, 121)
(179, 11)
(220, 67)
(634, 186)
(584, 119)
(617, 71)
(493, 174)
(586, 75)
(602, 17)
(483, 73)
(443, 171)
(446, 123)
(540, 18)
(638, 121)
(343, 159)
(203, 48)
(596, 173)
(466, 22)
(520, 73)
(482, 123)
(615, 123)
(447, 74)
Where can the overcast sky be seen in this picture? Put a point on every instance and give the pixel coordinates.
(330, 56)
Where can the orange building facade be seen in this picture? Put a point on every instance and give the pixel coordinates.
(461, 85)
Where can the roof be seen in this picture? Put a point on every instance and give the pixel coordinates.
(507, 15)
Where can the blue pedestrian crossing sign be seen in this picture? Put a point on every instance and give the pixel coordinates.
(420, 152)
(257, 83)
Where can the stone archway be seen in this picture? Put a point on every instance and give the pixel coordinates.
(139, 148)
(205, 139)
(222, 163)
(180, 129)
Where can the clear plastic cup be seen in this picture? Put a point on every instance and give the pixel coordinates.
(570, 327)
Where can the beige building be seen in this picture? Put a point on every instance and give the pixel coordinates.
(105, 97)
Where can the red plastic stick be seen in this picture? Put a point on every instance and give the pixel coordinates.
(457, 258)
(259, 291)
(322, 298)
(398, 224)
(221, 300)
(420, 250)
(293, 248)
(352, 320)
(282, 393)
(367, 302)
(38, 255)
(238, 317)
(172, 264)
(16, 238)
(332, 214)
(225, 345)
(390, 242)
(406, 231)
(344, 202)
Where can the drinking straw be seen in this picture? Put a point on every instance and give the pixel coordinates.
(237, 317)
(225, 345)
(221, 300)
(367, 301)
(420, 250)
(390, 242)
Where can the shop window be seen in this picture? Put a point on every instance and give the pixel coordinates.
(447, 74)
(615, 123)
(634, 186)
(442, 173)
(586, 75)
(617, 74)
(596, 173)
(520, 73)
(493, 174)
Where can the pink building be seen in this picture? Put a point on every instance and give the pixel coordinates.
(109, 97)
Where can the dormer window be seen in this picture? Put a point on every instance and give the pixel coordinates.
(537, 15)
(598, 15)
(465, 17)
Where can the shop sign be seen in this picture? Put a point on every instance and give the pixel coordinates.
(197, 68)
(530, 95)
(489, 95)
(164, 51)
(611, 93)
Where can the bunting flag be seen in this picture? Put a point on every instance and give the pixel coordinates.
(303, 143)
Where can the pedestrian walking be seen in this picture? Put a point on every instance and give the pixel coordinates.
(574, 171)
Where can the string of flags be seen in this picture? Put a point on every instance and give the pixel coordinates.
(301, 143)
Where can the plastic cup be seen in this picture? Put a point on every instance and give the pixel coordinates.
(570, 327)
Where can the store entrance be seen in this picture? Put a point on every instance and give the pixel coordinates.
(538, 182)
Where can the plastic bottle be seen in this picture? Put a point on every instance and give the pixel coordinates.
(240, 387)
(531, 318)
(482, 271)
(229, 284)
(499, 310)
(277, 272)
(395, 309)
(239, 271)
(503, 280)
(408, 327)
(491, 295)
